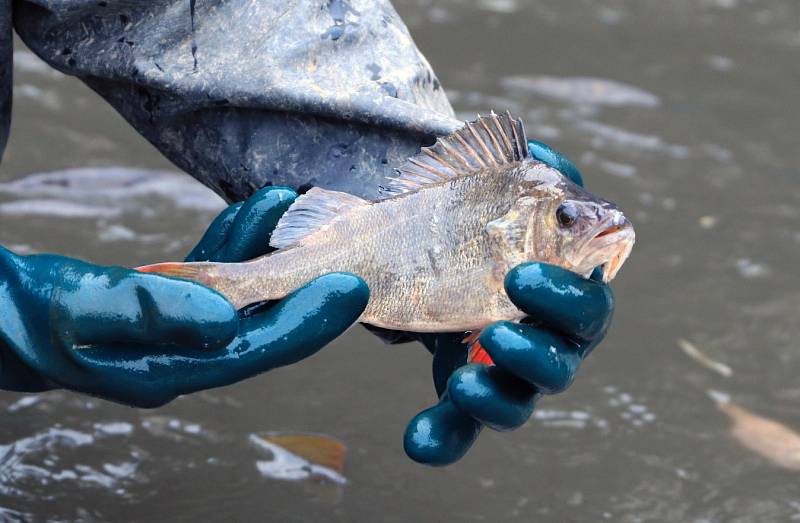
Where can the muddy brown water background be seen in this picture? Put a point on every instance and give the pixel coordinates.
(685, 113)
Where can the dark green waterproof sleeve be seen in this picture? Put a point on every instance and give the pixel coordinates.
(243, 94)
(6, 61)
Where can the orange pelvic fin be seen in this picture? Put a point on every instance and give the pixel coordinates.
(477, 354)
(472, 337)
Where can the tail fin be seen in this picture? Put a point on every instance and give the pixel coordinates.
(229, 279)
(187, 271)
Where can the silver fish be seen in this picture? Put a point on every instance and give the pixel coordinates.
(435, 249)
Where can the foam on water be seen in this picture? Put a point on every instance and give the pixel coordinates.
(118, 184)
(583, 90)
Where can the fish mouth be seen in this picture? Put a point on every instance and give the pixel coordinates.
(608, 248)
(613, 243)
(611, 230)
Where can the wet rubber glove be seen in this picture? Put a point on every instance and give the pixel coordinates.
(569, 317)
(141, 339)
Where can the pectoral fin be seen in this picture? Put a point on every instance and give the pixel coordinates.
(310, 213)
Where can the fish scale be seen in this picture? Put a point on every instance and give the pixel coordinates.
(389, 246)
(436, 248)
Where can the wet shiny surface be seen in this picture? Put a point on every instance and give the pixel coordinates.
(142, 340)
(684, 113)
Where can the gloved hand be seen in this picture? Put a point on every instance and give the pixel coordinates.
(141, 339)
(569, 315)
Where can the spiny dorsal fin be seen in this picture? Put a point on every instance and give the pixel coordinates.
(489, 141)
(311, 212)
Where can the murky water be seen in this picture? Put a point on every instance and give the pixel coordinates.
(684, 112)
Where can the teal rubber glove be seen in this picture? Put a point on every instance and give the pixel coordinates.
(569, 315)
(141, 339)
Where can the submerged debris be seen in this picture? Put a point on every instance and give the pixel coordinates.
(702, 358)
(301, 456)
(708, 222)
(770, 439)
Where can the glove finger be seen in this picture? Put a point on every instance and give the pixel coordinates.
(577, 307)
(215, 236)
(251, 230)
(292, 330)
(492, 396)
(97, 306)
(299, 325)
(556, 160)
(541, 358)
(440, 435)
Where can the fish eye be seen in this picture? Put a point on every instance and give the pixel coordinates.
(566, 214)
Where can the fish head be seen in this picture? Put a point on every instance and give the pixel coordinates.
(575, 229)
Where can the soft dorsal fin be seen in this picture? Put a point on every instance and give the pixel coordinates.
(489, 141)
(311, 212)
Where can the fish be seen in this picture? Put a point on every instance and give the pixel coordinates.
(301, 456)
(437, 244)
(770, 439)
